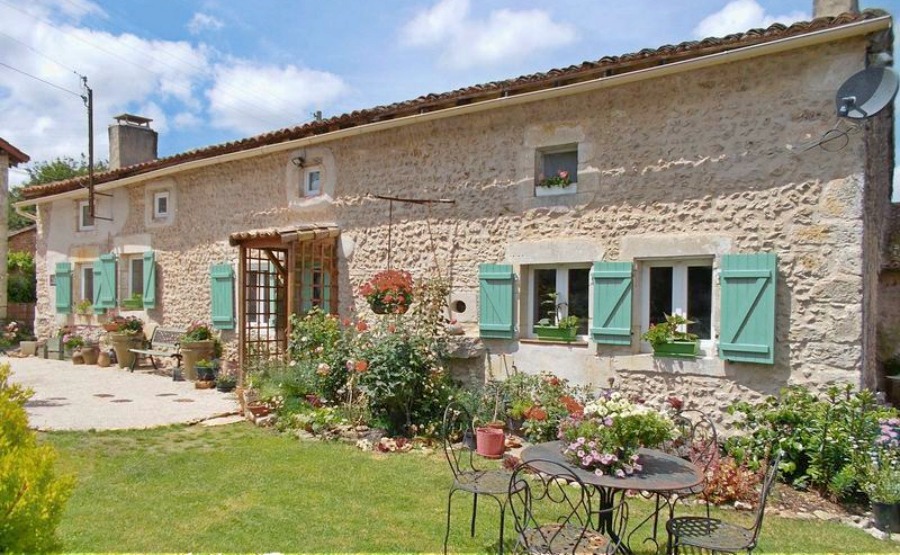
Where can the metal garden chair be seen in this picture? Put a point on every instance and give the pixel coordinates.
(458, 436)
(697, 442)
(553, 513)
(694, 533)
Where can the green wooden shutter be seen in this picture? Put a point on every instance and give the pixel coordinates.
(612, 303)
(496, 310)
(222, 293)
(97, 270)
(747, 331)
(63, 287)
(149, 280)
(107, 292)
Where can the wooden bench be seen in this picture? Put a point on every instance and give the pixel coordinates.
(163, 343)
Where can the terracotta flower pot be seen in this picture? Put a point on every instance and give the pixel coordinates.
(90, 353)
(121, 343)
(490, 442)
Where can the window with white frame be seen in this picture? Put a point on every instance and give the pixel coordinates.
(559, 291)
(557, 166)
(160, 205)
(85, 220)
(678, 287)
(86, 273)
(312, 182)
(135, 276)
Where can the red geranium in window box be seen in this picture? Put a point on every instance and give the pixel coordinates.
(389, 292)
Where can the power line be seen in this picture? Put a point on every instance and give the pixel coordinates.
(39, 53)
(36, 78)
(274, 112)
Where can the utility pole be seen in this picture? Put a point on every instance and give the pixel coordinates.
(88, 99)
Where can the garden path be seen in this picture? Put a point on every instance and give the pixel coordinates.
(85, 397)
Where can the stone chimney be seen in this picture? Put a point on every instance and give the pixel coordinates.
(831, 8)
(131, 141)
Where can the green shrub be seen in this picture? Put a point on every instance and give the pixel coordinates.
(826, 441)
(31, 495)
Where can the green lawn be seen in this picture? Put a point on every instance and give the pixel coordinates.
(241, 489)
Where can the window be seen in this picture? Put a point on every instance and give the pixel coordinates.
(679, 287)
(136, 277)
(87, 282)
(85, 220)
(161, 205)
(558, 292)
(312, 182)
(552, 162)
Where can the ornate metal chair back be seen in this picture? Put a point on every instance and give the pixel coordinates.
(458, 437)
(551, 507)
(697, 441)
(766, 488)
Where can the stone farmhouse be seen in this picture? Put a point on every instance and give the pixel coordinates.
(688, 194)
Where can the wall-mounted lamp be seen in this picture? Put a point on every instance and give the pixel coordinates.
(298, 161)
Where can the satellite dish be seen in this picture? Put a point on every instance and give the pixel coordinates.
(866, 93)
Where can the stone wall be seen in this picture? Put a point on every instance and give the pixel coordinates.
(24, 240)
(695, 154)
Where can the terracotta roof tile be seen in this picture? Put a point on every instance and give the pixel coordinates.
(295, 232)
(607, 65)
(16, 156)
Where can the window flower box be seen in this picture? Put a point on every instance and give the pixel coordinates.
(544, 191)
(677, 349)
(553, 333)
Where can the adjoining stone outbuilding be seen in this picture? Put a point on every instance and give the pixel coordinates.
(684, 194)
(10, 157)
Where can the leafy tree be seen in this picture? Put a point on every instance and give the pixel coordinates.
(32, 497)
(39, 173)
(59, 169)
(21, 284)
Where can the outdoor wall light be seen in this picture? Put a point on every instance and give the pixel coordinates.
(298, 161)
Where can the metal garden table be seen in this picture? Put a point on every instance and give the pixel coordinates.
(661, 472)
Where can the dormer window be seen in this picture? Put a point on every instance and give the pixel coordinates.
(85, 220)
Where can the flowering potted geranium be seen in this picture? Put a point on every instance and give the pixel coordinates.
(607, 436)
(389, 292)
(561, 180)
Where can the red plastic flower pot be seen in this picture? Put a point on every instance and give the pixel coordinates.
(490, 442)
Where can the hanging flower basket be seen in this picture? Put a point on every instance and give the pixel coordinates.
(389, 292)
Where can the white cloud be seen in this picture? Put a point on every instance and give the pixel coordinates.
(176, 83)
(283, 95)
(186, 120)
(204, 22)
(741, 15)
(465, 41)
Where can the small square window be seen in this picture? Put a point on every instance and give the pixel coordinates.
(85, 220)
(312, 182)
(161, 205)
(558, 167)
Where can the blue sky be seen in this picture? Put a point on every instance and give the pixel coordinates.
(209, 71)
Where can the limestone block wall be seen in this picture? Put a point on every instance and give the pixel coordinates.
(697, 154)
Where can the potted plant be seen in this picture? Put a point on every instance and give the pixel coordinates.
(882, 478)
(671, 338)
(71, 341)
(606, 437)
(389, 292)
(553, 327)
(83, 310)
(197, 343)
(490, 439)
(129, 334)
(559, 183)
(206, 370)
(226, 382)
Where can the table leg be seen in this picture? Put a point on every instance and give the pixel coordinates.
(606, 500)
(661, 502)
